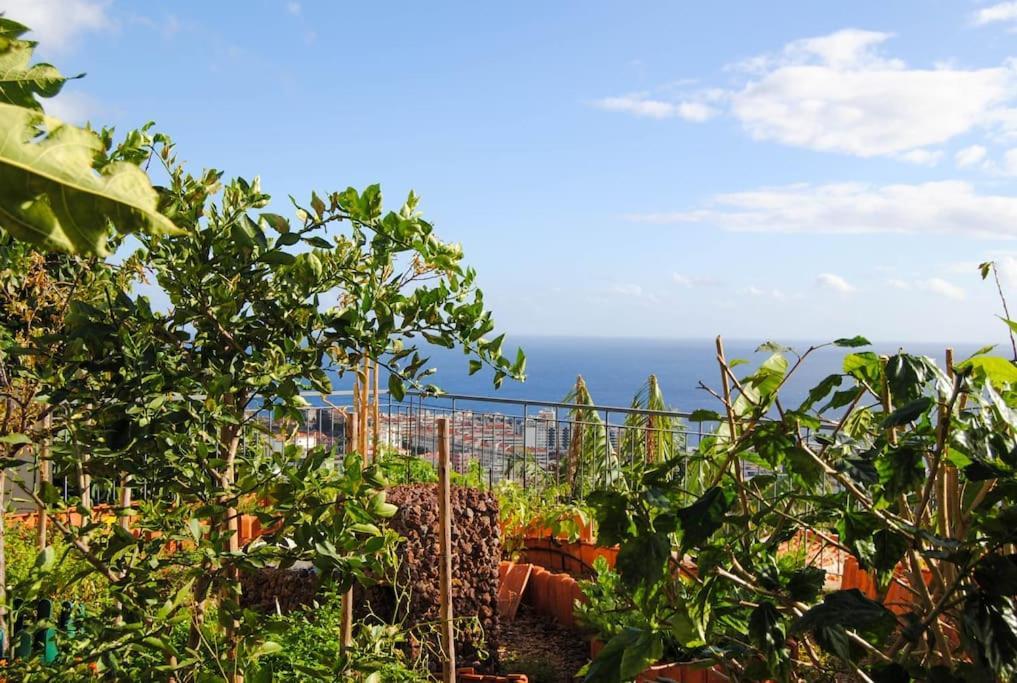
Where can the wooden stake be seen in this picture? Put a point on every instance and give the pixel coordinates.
(43, 478)
(448, 665)
(346, 625)
(125, 501)
(729, 406)
(376, 423)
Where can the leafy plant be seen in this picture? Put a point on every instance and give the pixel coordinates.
(58, 190)
(898, 463)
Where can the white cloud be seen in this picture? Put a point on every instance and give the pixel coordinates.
(969, 156)
(838, 93)
(835, 283)
(56, 23)
(769, 293)
(933, 285)
(941, 287)
(293, 8)
(1003, 11)
(627, 289)
(640, 104)
(841, 93)
(943, 207)
(923, 157)
(1010, 162)
(694, 280)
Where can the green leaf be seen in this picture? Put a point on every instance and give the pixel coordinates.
(275, 257)
(475, 366)
(890, 548)
(276, 222)
(194, 526)
(900, 469)
(864, 366)
(643, 559)
(999, 371)
(395, 387)
(765, 627)
(702, 415)
(908, 413)
(15, 439)
(821, 390)
(52, 196)
(266, 647)
(625, 656)
(21, 81)
(805, 584)
(318, 205)
(848, 608)
(852, 342)
(705, 516)
(991, 621)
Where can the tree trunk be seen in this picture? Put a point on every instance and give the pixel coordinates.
(230, 441)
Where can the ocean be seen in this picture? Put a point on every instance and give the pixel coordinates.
(616, 368)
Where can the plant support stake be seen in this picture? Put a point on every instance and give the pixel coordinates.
(448, 666)
(346, 626)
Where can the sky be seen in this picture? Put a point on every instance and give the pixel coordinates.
(792, 170)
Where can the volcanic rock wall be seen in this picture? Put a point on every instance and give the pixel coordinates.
(413, 601)
(476, 551)
(269, 588)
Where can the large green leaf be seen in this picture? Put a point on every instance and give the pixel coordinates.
(705, 516)
(999, 371)
(52, 196)
(20, 80)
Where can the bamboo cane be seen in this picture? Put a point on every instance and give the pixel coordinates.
(44, 474)
(346, 624)
(448, 665)
(376, 423)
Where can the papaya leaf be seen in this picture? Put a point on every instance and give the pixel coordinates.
(51, 194)
(20, 80)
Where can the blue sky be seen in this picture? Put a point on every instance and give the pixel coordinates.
(762, 170)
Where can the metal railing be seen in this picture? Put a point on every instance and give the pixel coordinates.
(532, 442)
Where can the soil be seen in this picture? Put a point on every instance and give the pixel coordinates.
(542, 649)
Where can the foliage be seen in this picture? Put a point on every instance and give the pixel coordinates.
(537, 509)
(647, 435)
(905, 466)
(401, 468)
(171, 403)
(21, 82)
(591, 459)
(59, 191)
(310, 651)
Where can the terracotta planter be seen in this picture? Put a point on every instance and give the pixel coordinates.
(898, 598)
(679, 673)
(470, 675)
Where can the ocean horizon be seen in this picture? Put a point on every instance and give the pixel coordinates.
(615, 368)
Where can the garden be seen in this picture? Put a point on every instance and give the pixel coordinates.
(163, 522)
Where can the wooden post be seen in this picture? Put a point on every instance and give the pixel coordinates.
(346, 625)
(125, 501)
(376, 423)
(448, 665)
(365, 407)
(43, 477)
